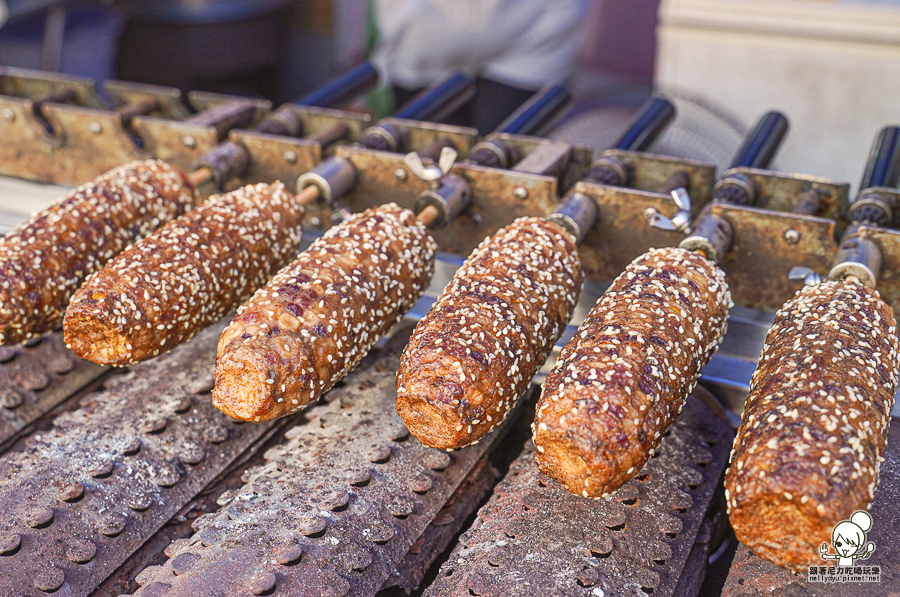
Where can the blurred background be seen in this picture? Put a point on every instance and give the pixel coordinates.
(832, 66)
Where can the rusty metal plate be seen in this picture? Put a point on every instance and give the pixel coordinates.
(761, 255)
(317, 119)
(32, 84)
(86, 493)
(752, 576)
(582, 155)
(205, 100)
(169, 98)
(333, 512)
(780, 192)
(273, 157)
(176, 142)
(651, 171)
(421, 134)
(889, 277)
(37, 376)
(26, 145)
(535, 538)
(383, 177)
(622, 233)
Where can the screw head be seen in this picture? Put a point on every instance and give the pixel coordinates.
(401, 174)
(791, 236)
(189, 141)
(9, 115)
(314, 221)
(95, 128)
(291, 157)
(520, 193)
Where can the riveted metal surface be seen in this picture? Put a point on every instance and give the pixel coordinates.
(494, 202)
(174, 141)
(780, 191)
(651, 171)
(35, 377)
(126, 466)
(421, 134)
(33, 84)
(761, 258)
(534, 537)
(319, 514)
(622, 232)
(752, 576)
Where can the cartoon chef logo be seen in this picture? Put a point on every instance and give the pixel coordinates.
(848, 538)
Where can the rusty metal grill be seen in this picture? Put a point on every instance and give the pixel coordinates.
(35, 377)
(534, 537)
(83, 495)
(334, 511)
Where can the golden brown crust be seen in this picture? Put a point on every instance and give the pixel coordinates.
(475, 353)
(44, 260)
(314, 321)
(167, 287)
(815, 423)
(626, 374)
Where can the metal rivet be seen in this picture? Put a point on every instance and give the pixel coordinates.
(288, 554)
(70, 493)
(291, 157)
(101, 469)
(80, 552)
(379, 532)
(38, 517)
(175, 546)
(157, 589)
(95, 128)
(154, 426)
(400, 506)
(7, 353)
(12, 398)
(262, 582)
(146, 575)
(111, 525)
(184, 562)
(335, 500)
(202, 384)
(189, 142)
(9, 115)
(191, 453)
(335, 587)
(401, 174)
(378, 454)
(10, 543)
(49, 578)
(520, 193)
(421, 484)
(791, 236)
(183, 405)
(216, 434)
(436, 460)
(314, 221)
(358, 476)
(310, 525)
(397, 432)
(140, 503)
(166, 477)
(209, 536)
(131, 446)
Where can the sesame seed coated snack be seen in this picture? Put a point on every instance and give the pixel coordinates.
(44, 260)
(167, 287)
(314, 321)
(475, 353)
(815, 423)
(624, 377)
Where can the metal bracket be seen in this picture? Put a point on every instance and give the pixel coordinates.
(778, 191)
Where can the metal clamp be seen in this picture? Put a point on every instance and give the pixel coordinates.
(431, 172)
(681, 221)
(808, 276)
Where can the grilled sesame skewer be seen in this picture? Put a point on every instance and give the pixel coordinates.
(44, 260)
(315, 320)
(815, 423)
(167, 287)
(492, 328)
(626, 374)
